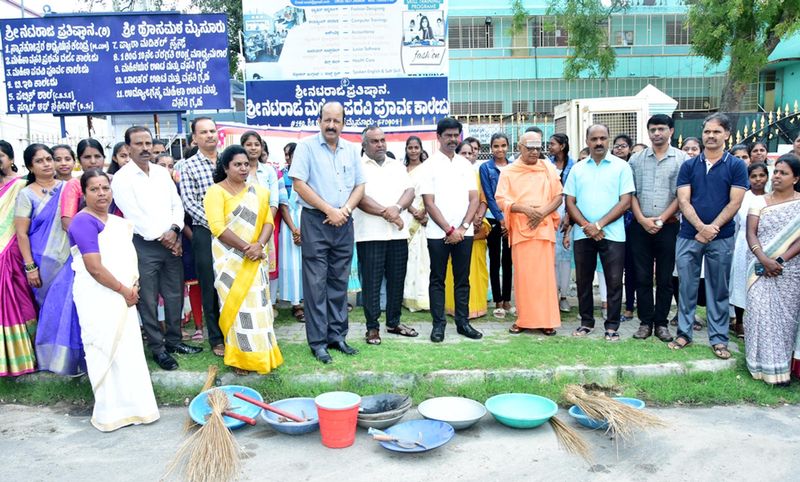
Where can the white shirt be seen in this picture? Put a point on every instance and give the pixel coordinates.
(150, 202)
(385, 184)
(450, 182)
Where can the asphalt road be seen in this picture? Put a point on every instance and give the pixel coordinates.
(719, 443)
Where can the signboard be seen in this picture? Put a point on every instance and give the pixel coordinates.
(116, 63)
(385, 60)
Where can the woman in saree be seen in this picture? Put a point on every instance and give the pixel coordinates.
(90, 156)
(773, 278)
(17, 312)
(290, 260)
(418, 269)
(106, 292)
(241, 222)
(478, 270)
(45, 251)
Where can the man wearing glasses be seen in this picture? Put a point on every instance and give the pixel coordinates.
(598, 192)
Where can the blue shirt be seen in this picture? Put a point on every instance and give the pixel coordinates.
(711, 191)
(567, 168)
(597, 189)
(331, 175)
(490, 174)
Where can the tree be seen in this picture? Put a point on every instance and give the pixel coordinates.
(586, 22)
(234, 10)
(746, 30)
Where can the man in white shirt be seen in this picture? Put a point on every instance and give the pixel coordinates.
(149, 199)
(450, 194)
(381, 232)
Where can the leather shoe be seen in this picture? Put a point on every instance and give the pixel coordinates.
(184, 349)
(437, 334)
(343, 347)
(322, 355)
(467, 330)
(165, 361)
(663, 334)
(644, 332)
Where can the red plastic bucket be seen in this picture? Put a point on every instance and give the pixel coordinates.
(338, 413)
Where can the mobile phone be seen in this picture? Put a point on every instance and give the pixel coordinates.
(759, 269)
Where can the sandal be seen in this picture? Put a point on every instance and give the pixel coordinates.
(218, 350)
(349, 307)
(549, 332)
(721, 351)
(582, 331)
(612, 336)
(373, 337)
(679, 343)
(198, 335)
(499, 313)
(185, 336)
(402, 330)
(515, 330)
(240, 371)
(299, 314)
(697, 326)
(738, 329)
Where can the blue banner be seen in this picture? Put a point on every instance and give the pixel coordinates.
(116, 63)
(390, 102)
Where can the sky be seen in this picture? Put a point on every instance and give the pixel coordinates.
(68, 6)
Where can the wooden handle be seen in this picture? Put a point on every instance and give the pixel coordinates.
(383, 438)
(242, 418)
(263, 405)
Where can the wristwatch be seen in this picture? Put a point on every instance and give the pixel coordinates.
(659, 222)
(780, 260)
(465, 225)
(175, 229)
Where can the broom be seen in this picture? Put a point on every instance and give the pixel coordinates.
(623, 420)
(211, 454)
(211, 377)
(570, 440)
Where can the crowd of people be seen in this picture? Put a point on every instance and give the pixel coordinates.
(96, 268)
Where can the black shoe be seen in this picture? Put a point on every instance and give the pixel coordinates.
(184, 349)
(165, 361)
(644, 332)
(663, 334)
(343, 347)
(467, 330)
(322, 355)
(437, 334)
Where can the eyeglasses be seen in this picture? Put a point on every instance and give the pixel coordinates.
(620, 146)
(535, 148)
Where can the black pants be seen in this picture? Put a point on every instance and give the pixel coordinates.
(499, 254)
(160, 272)
(631, 281)
(612, 255)
(461, 254)
(379, 260)
(647, 249)
(327, 255)
(204, 266)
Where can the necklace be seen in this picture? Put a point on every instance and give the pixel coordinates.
(231, 188)
(46, 189)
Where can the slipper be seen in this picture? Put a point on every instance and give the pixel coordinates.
(185, 336)
(679, 343)
(721, 351)
(240, 371)
(515, 330)
(612, 336)
(198, 335)
(299, 315)
(499, 313)
(349, 307)
(373, 337)
(512, 311)
(402, 330)
(549, 332)
(218, 350)
(697, 326)
(582, 331)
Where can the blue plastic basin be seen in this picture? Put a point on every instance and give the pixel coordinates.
(296, 406)
(199, 409)
(521, 410)
(578, 414)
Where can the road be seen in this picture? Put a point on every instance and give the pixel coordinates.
(699, 444)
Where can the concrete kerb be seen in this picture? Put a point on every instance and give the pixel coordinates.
(607, 375)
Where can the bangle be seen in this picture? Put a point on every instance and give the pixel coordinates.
(31, 267)
(450, 231)
(755, 247)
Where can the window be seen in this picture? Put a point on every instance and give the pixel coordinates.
(470, 33)
(677, 31)
(476, 108)
(546, 32)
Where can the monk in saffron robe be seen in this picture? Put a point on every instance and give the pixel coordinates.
(529, 192)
